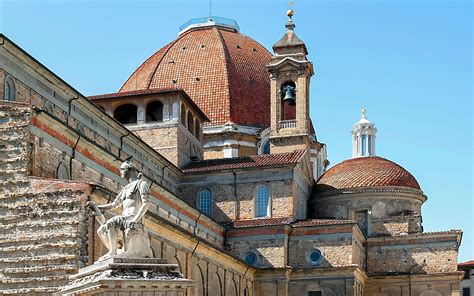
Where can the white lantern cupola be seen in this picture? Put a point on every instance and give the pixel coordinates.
(363, 137)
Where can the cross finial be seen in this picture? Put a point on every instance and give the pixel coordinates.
(364, 112)
(291, 4)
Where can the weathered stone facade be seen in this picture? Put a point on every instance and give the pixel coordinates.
(287, 239)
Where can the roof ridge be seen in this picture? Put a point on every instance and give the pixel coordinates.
(225, 50)
(171, 44)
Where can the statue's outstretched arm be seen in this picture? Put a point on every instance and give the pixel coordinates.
(113, 204)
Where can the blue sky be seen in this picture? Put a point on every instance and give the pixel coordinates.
(409, 63)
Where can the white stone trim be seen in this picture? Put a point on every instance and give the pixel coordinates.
(220, 143)
(231, 127)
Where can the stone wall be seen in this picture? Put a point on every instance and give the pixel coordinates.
(270, 251)
(226, 188)
(415, 253)
(399, 225)
(334, 242)
(42, 238)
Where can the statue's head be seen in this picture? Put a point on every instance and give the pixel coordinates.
(126, 168)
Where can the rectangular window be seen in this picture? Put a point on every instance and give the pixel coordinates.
(315, 293)
(466, 291)
(262, 201)
(364, 144)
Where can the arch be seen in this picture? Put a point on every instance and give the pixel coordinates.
(205, 202)
(154, 112)
(9, 89)
(48, 106)
(183, 115)
(288, 108)
(200, 287)
(262, 201)
(215, 283)
(62, 172)
(190, 122)
(232, 287)
(126, 113)
(198, 129)
(264, 146)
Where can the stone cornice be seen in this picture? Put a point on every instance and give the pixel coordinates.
(370, 192)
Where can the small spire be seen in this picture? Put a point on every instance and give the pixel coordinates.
(364, 112)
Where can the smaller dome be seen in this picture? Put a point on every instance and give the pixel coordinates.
(365, 172)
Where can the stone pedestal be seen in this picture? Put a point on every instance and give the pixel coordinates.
(128, 276)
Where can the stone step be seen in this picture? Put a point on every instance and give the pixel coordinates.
(36, 260)
(39, 225)
(50, 244)
(35, 237)
(4, 220)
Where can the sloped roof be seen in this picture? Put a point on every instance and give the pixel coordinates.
(244, 162)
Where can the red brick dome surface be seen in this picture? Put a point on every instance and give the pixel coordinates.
(223, 71)
(365, 172)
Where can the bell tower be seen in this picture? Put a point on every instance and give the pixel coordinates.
(290, 74)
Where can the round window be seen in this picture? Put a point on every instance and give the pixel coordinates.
(314, 256)
(250, 258)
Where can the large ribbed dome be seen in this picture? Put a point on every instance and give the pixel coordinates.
(365, 172)
(223, 71)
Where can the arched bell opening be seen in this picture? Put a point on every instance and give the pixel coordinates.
(126, 113)
(190, 122)
(288, 101)
(154, 112)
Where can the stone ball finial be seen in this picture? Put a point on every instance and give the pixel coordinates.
(290, 13)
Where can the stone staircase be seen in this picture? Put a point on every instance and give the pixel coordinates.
(42, 227)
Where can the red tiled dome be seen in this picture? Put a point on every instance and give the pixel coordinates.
(365, 172)
(223, 71)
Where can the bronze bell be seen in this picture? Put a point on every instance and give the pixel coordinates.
(289, 95)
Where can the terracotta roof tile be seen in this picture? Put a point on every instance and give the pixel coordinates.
(468, 263)
(244, 162)
(288, 221)
(224, 72)
(317, 222)
(365, 172)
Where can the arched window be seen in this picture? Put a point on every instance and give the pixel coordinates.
(62, 172)
(262, 202)
(190, 122)
(198, 128)
(288, 100)
(126, 113)
(266, 148)
(205, 202)
(154, 111)
(9, 93)
(183, 115)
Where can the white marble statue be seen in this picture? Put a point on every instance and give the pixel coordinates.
(124, 234)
